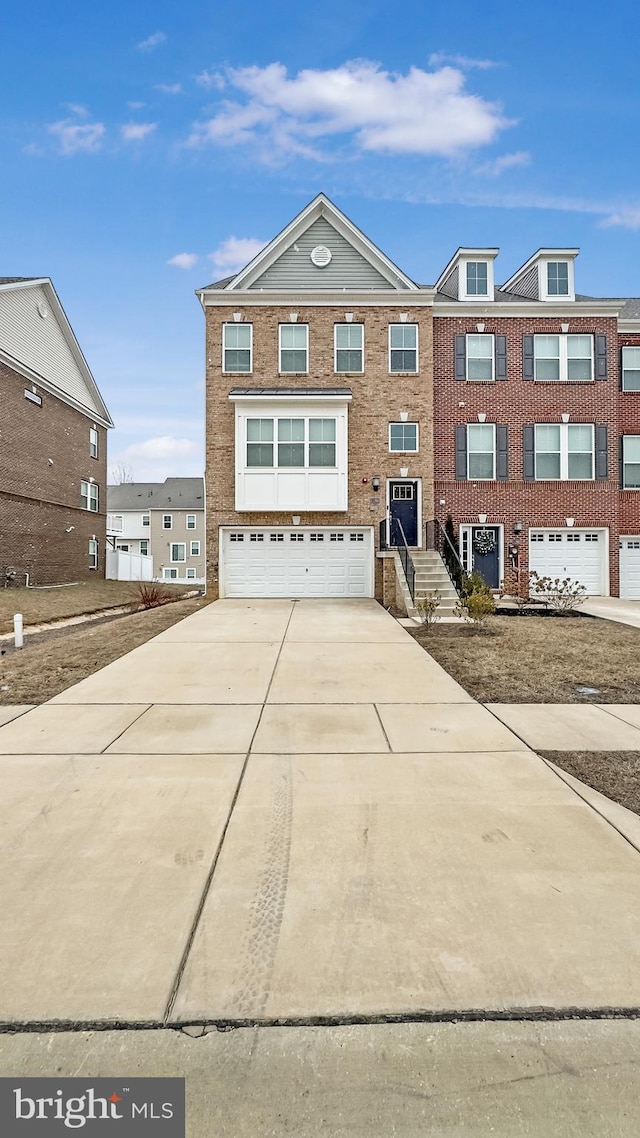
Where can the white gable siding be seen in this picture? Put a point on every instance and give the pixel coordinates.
(347, 269)
(40, 343)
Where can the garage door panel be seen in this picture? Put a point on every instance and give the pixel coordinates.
(305, 562)
(577, 554)
(630, 568)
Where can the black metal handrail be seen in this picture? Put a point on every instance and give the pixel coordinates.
(438, 540)
(407, 560)
(383, 534)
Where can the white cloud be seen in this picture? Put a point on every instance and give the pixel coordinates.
(209, 79)
(74, 137)
(169, 88)
(77, 109)
(440, 58)
(505, 162)
(234, 253)
(135, 106)
(417, 113)
(184, 260)
(152, 42)
(136, 131)
(627, 217)
(166, 456)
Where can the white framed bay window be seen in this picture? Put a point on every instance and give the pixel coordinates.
(291, 452)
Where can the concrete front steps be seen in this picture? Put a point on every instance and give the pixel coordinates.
(431, 577)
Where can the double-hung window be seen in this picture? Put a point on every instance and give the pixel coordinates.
(403, 347)
(557, 278)
(480, 359)
(146, 520)
(169, 574)
(561, 359)
(477, 278)
(178, 551)
(291, 442)
(191, 521)
(89, 496)
(349, 341)
(403, 437)
(93, 553)
(167, 521)
(194, 549)
(564, 451)
(144, 547)
(237, 344)
(631, 369)
(631, 462)
(294, 347)
(481, 451)
(93, 442)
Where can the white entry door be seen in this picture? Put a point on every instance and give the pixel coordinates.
(297, 562)
(580, 554)
(630, 568)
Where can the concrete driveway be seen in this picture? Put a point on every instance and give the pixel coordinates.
(288, 810)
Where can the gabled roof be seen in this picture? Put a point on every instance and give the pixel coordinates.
(321, 206)
(51, 359)
(466, 252)
(565, 254)
(173, 493)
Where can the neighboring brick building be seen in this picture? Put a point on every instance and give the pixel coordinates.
(328, 368)
(53, 443)
(161, 520)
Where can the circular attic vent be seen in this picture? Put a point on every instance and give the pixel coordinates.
(320, 256)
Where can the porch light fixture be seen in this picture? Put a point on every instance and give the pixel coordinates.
(565, 417)
(293, 317)
(564, 327)
(375, 483)
(482, 518)
(570, 522)
(237, 316)
(517, 527)
(480, 327)
(404, 415)
(481, 416)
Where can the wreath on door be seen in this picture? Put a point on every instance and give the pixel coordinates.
(484, 541)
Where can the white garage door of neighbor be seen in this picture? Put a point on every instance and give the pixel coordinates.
(579, 554)
(630, 568)
(300, 562)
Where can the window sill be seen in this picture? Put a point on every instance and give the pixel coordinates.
(403, 452)
(404, 373)
(564, 382)
(294, 374)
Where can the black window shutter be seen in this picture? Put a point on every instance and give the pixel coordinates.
(528, 438)
(602, 447)
(502, 452)
(461, 453)
(621, 461)
(501, 357)
(527, 357)
(621, 359)
(601, 357)
(461, 357)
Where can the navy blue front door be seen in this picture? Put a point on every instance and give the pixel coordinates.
(485, 547)
(403, 508)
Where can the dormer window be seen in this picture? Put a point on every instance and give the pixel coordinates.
(477, 278)
(557, 278)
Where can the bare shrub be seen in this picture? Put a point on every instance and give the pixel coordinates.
(427, 608)
(562, 594)
(152, 594)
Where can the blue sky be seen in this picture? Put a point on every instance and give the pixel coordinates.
(151, 148)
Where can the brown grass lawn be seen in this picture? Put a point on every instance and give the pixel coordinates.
(614, 773)
(40, 605)
(539, 659)
(51, 662)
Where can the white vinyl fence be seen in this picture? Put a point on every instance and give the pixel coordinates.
(123, 566)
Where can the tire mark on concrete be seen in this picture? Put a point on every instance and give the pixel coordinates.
(255, 968)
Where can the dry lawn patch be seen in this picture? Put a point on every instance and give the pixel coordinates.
(41, 605)
(536, 659)
(614, 773)
(51, 662)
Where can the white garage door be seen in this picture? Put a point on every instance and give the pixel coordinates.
(299, 562)
(580, 554)
(630, 568)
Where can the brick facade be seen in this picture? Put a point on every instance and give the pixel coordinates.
(378, 398)
(44, 455)
(517, 402)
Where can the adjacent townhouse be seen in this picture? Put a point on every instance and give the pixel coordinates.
(164, 521)
(349, 406)
(53, 443)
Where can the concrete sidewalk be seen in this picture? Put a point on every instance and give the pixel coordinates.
(288, 810)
